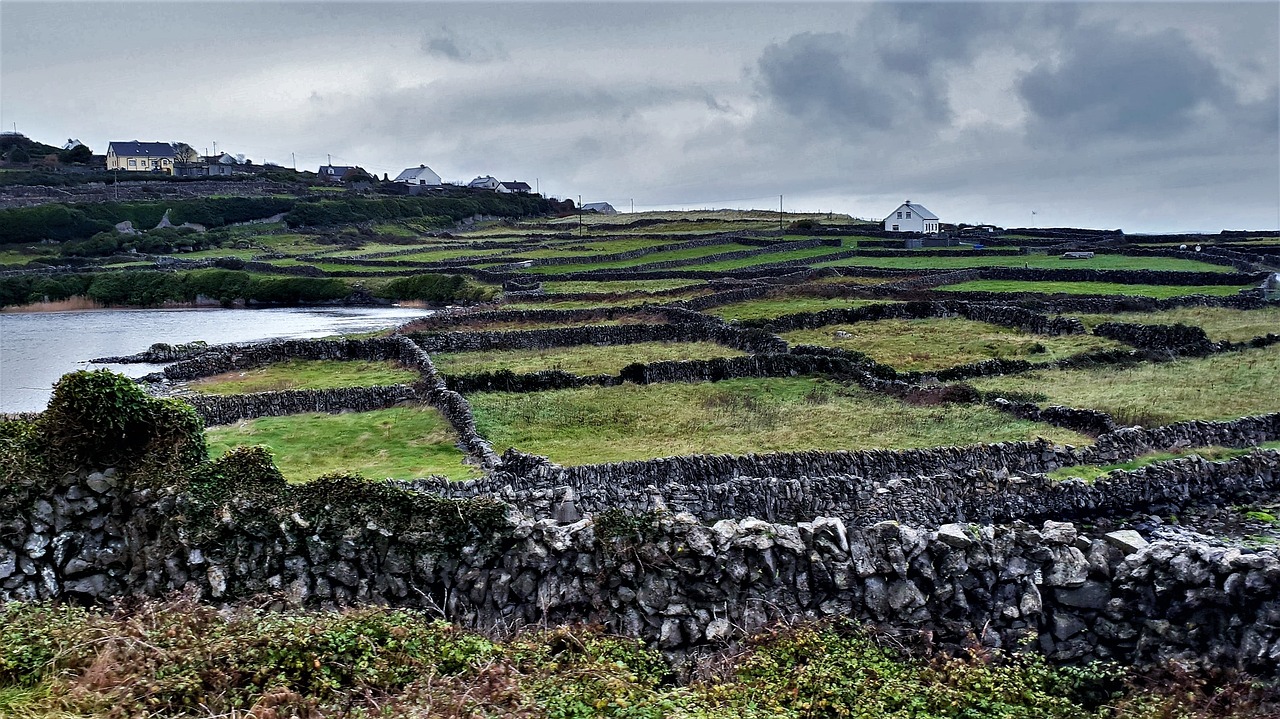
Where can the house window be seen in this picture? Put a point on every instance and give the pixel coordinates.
(908, 214)
(133, 163)
(895, 227)
(899, 217)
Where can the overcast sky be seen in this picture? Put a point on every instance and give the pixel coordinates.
(1144, 116)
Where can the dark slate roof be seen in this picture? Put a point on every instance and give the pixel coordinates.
(142, 149)
(517, 186)
(335, 170)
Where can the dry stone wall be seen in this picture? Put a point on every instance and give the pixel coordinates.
(671, 579)
(227, 409)
(745, 340)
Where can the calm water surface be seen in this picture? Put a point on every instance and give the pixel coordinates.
(38, 348)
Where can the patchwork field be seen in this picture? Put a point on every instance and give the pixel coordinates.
(305, 374)
(402, 442)
(584, 360)
(610, 424)
(1093, 288)
(933, 344)
(1222, 386)
(1220, 323)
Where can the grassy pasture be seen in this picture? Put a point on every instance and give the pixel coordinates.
(583, 360)
(939, 343)
(767, 307)
(1223, 386)
(767, 258)
(1100, 262)
(401, 442)
(609, 424)
(686, 254)
(305, 374)
(1092, 288)
(1220, 323)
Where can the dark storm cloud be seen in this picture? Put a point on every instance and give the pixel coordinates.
(1113, 84)
(447, 44)
(889, 72)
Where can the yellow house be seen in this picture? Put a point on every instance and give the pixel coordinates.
(137, 156)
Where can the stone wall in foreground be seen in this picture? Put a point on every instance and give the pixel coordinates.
(669, 578)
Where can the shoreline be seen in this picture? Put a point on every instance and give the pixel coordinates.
(75, 305)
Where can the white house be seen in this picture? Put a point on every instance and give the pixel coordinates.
(420, 175)
(603, 208)
(488, 182)
(517, 187)
(911, 218)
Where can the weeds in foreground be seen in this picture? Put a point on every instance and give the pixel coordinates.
(182, 659)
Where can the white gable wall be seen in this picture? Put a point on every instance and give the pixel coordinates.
(907, 219)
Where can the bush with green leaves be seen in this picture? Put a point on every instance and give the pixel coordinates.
(100, 418)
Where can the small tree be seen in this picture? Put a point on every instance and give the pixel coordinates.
(19, 155)
(78, 155)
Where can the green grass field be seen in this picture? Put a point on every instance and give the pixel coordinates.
(583, 360)
(934, 344)
(1223, 386)
(768, 307)
(1100, 262)
(402, 442)
(306, 374)
(766, 259)
(687, 254)
(1220, 323)
(1092, 288)
(609, 424)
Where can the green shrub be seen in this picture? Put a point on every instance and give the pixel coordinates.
(100, 418)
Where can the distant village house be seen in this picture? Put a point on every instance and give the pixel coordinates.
(488, 182)
(334, 173)
(520, 188)
(603, 208)
(911, 218)
(420, 175)
(135, 156)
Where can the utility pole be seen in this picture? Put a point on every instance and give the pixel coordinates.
(537, 186)
(294, 157)
(633, 205)
(581, 231)
(779, 213)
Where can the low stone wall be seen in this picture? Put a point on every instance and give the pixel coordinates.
(225, 358)
(1006, 316)
(670, 579)
(745, 340)
(1180, 339)
(226, 409)
(1086, 421)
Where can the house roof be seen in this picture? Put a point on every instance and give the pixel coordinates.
(920, 211)
(598, 206)
(335, 170)
(414, 173)
(516, 185)
(134, 148)
(487, 179)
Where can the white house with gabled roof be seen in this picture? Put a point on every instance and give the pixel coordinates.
(420, 175)
(912, 218)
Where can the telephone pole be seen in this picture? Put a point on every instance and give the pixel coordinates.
(779, 213)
